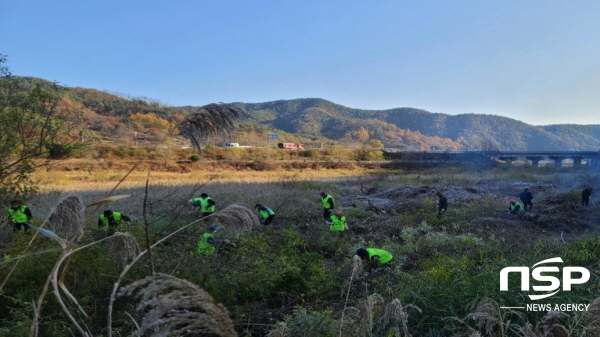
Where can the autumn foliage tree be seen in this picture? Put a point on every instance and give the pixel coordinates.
(153, 123)
(33, 124)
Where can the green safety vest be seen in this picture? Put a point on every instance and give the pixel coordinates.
(204, 247)
(265, 214)
(104, 219)
(203, 203)
(18, 215)
(384, 257)
(516, 206)
(339, 224)
(325, 201)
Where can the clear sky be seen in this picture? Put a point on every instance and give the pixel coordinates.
(534, 61)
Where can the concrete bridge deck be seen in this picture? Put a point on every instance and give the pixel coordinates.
(555, 158)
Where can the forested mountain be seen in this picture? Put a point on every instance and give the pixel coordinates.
(404, 125)
(115, 118)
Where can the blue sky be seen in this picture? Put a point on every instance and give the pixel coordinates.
(534, 61)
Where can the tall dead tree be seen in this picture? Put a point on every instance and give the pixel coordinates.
(209, 120)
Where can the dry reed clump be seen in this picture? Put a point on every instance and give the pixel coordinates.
(487, 316)
(355, 325)
(122, 245)
(176, 307)
(395, 313)
(237, 218)
(527, 331)
(548, 326)
(357, 265)
(360, 320)
(592, 317)
(368, 309)
(67, 218)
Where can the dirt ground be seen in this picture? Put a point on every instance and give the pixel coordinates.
(557, 213)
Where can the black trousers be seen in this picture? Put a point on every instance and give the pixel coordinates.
(585, 201)
(17, 226)
(326, 213)
(269, 219)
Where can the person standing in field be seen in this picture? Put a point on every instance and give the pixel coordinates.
(328, 205)
(205, 203)
(527, 199)
(585, 196)
(442, 203)
(109, 221)
(266, 214)
(19, 214)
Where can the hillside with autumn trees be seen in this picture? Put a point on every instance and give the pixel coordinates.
(111, 118)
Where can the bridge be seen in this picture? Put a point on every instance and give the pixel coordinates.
(558, 158)
(533, 158)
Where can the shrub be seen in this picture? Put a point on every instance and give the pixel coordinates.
(366, 154)
(307, 324)
(64, 150)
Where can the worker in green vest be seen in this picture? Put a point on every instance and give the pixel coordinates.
(207, 243)
(205, 203)
(514, 207)
(328, 205)
(337, 222)
(374, 257)
(109, 220)
(266, 214)
(19, 214)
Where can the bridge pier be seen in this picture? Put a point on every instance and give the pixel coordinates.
(558, 161)
(507, 160)
(535, 161)
(577, 162)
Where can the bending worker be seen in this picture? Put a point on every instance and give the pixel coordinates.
(109, 220)
(337, 222)
(266, 214)
(206, 204)
(207, 243)
(19, 214)
(514, 207)
(374, 257)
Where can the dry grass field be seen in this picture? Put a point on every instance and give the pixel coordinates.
(295, 277)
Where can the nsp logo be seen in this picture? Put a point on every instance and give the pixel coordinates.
(536, 273)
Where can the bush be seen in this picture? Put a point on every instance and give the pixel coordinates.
(64, 150)
(366, 154)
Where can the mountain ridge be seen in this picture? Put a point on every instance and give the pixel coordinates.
(475, 129)
(114, 117)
